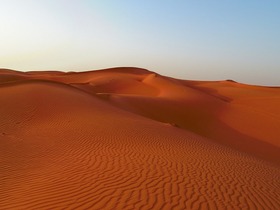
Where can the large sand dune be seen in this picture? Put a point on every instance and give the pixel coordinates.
(128, 138)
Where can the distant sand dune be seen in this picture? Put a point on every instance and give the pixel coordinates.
(132, 139)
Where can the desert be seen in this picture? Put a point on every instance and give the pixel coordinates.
(130, 138)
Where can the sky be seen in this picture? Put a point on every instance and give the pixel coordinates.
(187, 39)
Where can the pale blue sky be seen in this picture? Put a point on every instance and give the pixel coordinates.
(190, 39)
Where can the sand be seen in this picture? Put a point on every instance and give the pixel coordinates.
(128, 138)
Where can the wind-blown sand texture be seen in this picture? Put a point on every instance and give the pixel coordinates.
(128, 138)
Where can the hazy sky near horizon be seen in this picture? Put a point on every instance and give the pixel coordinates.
(190, 39)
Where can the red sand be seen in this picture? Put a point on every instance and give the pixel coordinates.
(127, 138)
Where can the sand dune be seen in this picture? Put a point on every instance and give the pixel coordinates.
(128, 138)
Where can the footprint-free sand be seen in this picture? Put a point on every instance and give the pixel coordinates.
(129, 138)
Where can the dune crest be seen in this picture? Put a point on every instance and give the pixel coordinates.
(128, 138)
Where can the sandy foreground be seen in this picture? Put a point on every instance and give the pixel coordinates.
(128, 138)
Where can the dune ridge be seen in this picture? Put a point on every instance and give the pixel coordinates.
(128, 138)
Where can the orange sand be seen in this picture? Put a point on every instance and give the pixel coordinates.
(128, 138)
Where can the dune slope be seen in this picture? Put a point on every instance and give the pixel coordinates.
(108, 140)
